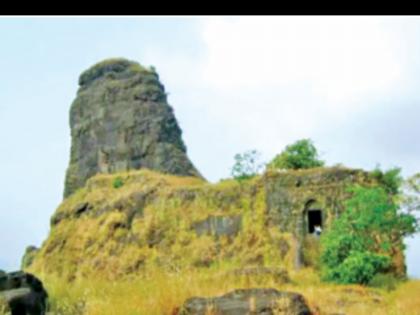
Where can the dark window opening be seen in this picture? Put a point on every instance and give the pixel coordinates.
(314, 219)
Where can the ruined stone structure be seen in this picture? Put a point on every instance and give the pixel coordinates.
(297, 201)
(124, 222)
(121, 120)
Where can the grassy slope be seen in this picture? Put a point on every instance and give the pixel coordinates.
(124, 258)
(120, 236)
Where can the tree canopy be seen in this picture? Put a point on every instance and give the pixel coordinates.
(301, 154)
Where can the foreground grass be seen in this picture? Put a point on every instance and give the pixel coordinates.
(159, 293)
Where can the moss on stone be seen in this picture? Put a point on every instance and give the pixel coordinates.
(149, 222)
(110, 66)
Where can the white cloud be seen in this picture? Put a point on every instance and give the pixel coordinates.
(272, 80)
(264, 82)
(341, 57)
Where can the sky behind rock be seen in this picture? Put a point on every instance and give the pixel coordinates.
(348, 83)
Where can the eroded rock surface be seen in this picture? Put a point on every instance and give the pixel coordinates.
(120, 120)
(248, 301)
(219, 225)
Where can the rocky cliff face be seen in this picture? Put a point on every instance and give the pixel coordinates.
(120, 120)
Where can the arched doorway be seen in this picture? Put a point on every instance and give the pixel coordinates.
(313, 216)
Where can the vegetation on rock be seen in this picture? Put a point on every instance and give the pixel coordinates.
(301, 154)
(178, 222)
(150, 221)
(391, 180)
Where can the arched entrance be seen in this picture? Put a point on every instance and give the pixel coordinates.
(313, 217)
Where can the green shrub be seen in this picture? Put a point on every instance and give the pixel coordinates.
(118, 182)
(358, 267)
(301, 154)
(361, 242)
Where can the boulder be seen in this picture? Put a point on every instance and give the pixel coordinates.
(259, 301)
(23, 294)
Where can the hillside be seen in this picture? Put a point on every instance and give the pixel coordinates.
(142, 242)
(140, 231)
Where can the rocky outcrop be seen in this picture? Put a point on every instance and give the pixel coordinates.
(29, 256)
(248, 301)
(22, 293)
(120, 120)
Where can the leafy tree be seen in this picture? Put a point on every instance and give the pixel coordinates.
(301, 154)
(391, 179)
(411, 197)
(247, 165)
(362, 241)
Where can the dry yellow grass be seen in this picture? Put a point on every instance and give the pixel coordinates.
(161, 293)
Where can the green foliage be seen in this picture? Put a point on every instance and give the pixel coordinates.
(360, 243)
(357, 267)
(391, 179)
(118, 182)
(247, 165)
(301, 154)
(411, 197)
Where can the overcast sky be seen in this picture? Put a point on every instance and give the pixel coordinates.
(349, 83)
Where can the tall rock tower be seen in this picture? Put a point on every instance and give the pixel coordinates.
(121, 120)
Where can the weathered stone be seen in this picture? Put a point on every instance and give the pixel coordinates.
(322, 189)
(23, 293)
(219, 225)
(248, 301)
(120, 120)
